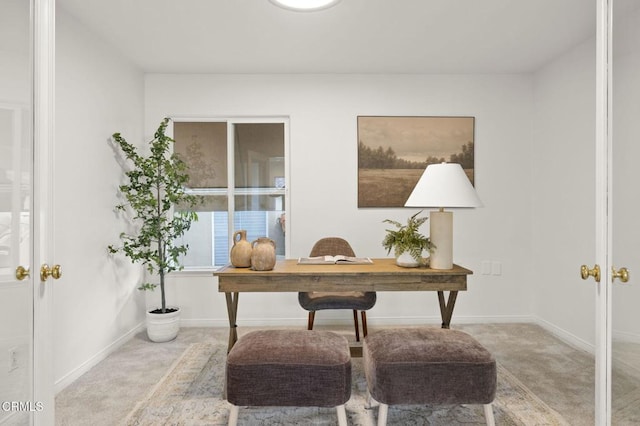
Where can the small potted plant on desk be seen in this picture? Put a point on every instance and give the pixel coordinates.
(155, 185)
(407, 242)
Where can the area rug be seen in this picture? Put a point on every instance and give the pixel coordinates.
(191, 393)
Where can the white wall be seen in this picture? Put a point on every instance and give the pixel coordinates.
(95, 302)
(563, 194)
(323, 156)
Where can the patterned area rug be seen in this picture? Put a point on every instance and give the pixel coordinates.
(191, 393)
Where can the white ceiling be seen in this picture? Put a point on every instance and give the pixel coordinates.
(356, 36)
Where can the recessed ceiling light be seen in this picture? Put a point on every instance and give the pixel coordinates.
(305, 5)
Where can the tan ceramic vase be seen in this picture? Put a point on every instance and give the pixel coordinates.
(240, 254)
(263, 256)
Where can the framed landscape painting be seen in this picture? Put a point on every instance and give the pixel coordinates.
(394, 151)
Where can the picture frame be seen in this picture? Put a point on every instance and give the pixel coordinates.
(393, 152)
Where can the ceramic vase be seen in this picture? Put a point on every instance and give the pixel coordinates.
(240, 254)
(163, 327)
(263, 255)
(407, 261)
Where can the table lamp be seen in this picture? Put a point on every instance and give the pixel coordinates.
(443, 185)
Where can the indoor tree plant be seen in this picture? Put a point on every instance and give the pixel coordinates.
(407, 242)
(154, 186)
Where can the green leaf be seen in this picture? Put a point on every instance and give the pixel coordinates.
(407, 238)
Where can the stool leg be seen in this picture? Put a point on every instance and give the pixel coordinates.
(488, 414)
(342, 415)
(233, 415)
(355, 323)
(382, 414)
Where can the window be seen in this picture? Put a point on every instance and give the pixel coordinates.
(240, 168)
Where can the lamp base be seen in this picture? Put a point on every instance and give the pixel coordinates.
(441, 235)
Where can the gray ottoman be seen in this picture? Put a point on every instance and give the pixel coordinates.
(295, 368)
(428, 366)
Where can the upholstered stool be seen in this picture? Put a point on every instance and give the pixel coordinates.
(295, 368)
(428, 366)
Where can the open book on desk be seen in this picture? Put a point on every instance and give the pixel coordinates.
(330, 260)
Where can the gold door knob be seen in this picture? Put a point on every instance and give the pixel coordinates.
(46, 272)
(622, 273)
(22, 273)
(585, 272)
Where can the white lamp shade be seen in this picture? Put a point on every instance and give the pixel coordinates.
(443, 185)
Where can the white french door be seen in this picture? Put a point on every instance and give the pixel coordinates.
(43, 250)
(600, 270)
(16, 214)
(26, 81)
(617, 200)
(624, 198)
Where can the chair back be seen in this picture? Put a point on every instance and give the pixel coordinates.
(332, 246)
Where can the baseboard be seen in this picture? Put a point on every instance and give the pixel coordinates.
(74, 374)
(565, 336)
(204, 322)
(371, 321)
(623, 336)
(503, 319)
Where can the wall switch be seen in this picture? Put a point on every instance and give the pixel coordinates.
(486, 267)
(496, 268)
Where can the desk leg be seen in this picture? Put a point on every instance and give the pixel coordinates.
(446, 309)
(232, 310)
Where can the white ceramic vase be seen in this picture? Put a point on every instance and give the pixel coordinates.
(406, 261)
(163, 327)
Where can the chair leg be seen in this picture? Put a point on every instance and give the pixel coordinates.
(488, 415)
(342, 415)
(312, 316)
(355, 322)
(364, 323)
(382, 414)
(233, 415)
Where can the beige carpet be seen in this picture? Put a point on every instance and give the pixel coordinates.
(191, 393)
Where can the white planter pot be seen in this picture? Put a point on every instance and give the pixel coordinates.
(163, 327)
(406, 261)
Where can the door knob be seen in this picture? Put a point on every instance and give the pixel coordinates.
(46, 272)
(585, 272)
(622, 273)
(22, 273)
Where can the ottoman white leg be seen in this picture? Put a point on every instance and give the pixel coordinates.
(342, 415)
(233, 415)
(488, 414)
(382, 414)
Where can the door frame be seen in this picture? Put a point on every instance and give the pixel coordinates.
(43, 150)
(603, 202)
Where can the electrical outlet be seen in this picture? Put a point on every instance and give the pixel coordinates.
(496, 268)
(486, 267)
(13, 359)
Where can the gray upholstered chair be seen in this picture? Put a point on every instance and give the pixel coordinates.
(354, 300)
